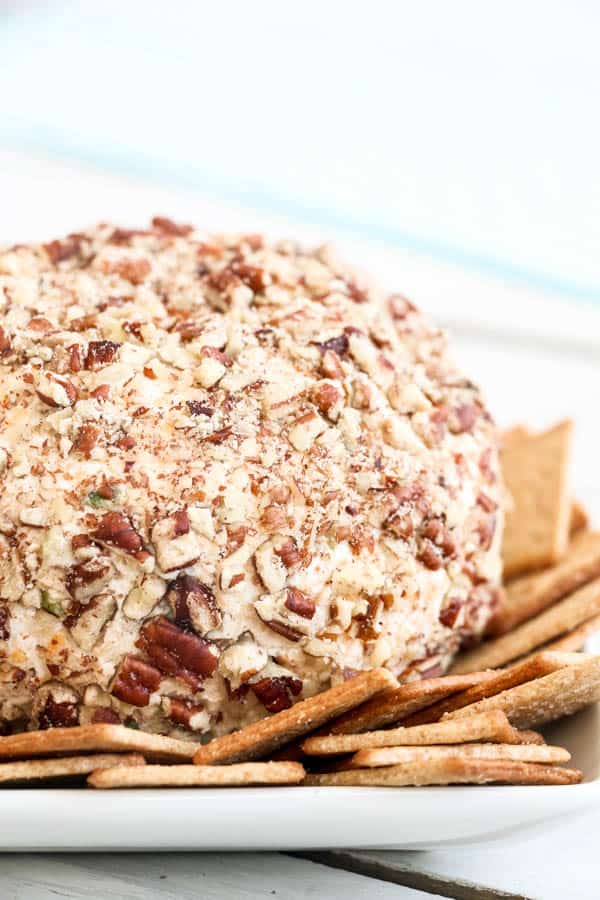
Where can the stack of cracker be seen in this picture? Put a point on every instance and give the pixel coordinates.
(472, 726)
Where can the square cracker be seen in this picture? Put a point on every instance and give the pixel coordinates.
(535, 667)
(393, 756)
(545, 699)
(199, 776)
(579, 518)
(393, 705)
(576, 639)
(83, 738)
(263, 737)
(527, 596)
(454, 770)
(535, 469)
(557, 620)
(67, 767)
(493, 727)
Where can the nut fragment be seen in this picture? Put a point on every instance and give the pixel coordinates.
(56, 391)
(276, 693)
(117, 530)
(177, 652)
(135, 681)
(193, 604)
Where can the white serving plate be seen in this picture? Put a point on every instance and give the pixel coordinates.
(537, 358)
(288, 818)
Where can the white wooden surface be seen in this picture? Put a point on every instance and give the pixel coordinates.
(538, 359)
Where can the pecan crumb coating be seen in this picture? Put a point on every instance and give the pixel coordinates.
(232, 473)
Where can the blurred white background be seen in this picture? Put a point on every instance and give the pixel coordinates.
(464, 132)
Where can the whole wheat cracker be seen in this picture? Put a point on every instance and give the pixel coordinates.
(527, 596)
(454, 770)
(393, 705)
(480, 728)
(536, 470)
(242, 774)
(579, 518)
(393, 756)
(262, 737)
(576, 639)
(534, 667)
(82, 738)
(558, 694)
(562, 617)
(65, 767)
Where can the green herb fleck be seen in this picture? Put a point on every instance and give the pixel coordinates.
(131, 723)
(96, 500)
(54, 607)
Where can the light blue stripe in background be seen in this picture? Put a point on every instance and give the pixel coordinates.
(435, 129)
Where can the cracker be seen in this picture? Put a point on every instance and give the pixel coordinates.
(559, 619)
(83, 738)
(515, 435)
(67, 767)
(393, 756)
(527, 596)
(576, 639)
(537, 526)
(579, 518)
(454, 770)
(393, 705)
(239, 775)
(493, 727)
(559, 694)
(534, 667)
(263, 737)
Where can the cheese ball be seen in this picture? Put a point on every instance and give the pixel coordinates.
(232, 474)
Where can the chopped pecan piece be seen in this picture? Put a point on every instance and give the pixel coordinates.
(100, 353)
(171, 228)
(193, 604)
(339, 345)
(486, 530)
(181, 523)
(299, 603)
(435, 531)
(331, 365)
(399, 307)
(328, 398)
(199, 409)
(287, 551)
(116, 529)
(256, 278)
(286, 631)
(276, 693)
(430, 556)
(40, 324)
(55, 391)
(184, 713)
(135, 681)
(4, 342)
(177, 652)
(450, 613)
(218, 437)
(74, 357)
(4, 622)
(86, 439)
(105, 715)
(87, 578)
(273, 519)
(58, 251)
(58, 715)
(132, 270)
(463, 418)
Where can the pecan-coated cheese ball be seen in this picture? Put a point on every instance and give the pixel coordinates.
(231, 474)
